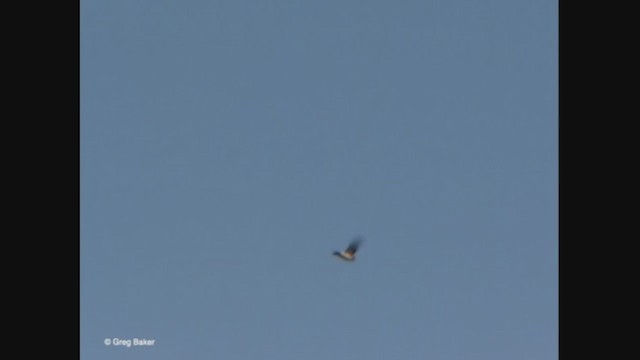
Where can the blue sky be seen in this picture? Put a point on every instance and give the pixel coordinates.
(229, 147)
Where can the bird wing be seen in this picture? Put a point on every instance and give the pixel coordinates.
(353, 246)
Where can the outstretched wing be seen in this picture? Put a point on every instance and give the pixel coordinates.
(354, 245)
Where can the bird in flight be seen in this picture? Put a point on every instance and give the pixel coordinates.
(349, 254)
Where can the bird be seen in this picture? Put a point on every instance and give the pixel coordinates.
(349, 254)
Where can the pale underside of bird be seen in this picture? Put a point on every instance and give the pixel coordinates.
(349, 254)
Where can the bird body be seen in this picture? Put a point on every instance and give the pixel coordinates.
(349, 254)
(344, 255)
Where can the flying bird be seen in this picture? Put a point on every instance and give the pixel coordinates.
(349, 254)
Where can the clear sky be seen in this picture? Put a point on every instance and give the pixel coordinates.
(229, 147)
